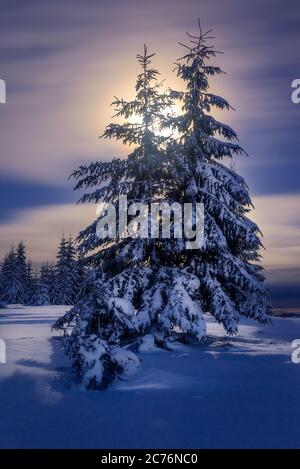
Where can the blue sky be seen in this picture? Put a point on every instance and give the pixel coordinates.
(64, 61)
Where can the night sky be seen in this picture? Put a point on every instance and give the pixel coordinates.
(63, 62)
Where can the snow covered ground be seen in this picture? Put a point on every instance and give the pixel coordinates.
(233, 392)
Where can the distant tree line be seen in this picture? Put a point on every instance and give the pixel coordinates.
(51, 284)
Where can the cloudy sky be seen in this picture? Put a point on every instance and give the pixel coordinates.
(63, 61)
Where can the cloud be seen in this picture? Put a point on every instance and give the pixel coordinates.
(278, 217)
(64, 62)
(18, 193)
(41, 229)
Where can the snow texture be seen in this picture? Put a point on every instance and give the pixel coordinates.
(240, 391)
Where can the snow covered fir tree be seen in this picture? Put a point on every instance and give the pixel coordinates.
(15, 277)
(42, 290)
(50, 284)
(66, 282)
(9, 281)
(144, 286)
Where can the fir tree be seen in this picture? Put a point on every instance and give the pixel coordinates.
(82, 272)
(227, 266)
(10, 282)
(1, 287)
(30, 286)
(51, 275)
(16, 277)
(75, 272)
(43, 287)
(156, 285)
(100, 321)
(66, 288)
(21, 272)
(2, 302)
(106, 316)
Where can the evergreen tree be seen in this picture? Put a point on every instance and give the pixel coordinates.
(82, 272)
(30, 287)
(43, 287)
(158, 285)
(2, 302)
(34, 283)
(51, 282)
(21, 272)
(10, 283)
(16, 277)
(75, 271)
(60, 277)
(66, 288)
(100, 321)
(1, 287)
(231, 281)
(106, 316)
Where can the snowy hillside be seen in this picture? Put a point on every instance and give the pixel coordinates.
(233, 392)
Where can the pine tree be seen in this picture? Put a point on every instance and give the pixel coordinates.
(35, 276)
(43, 287)
(231, 281)
(100, 321)
(74, 271)
(156, 285)
(51, 282)
(10, 285)
(30, 287)
(66, 288)
(1, 288)
(2, 302)
(16, 277)
(81, 276)
(21, 272)
(15, 283)
(105, 317)
(60, 277)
